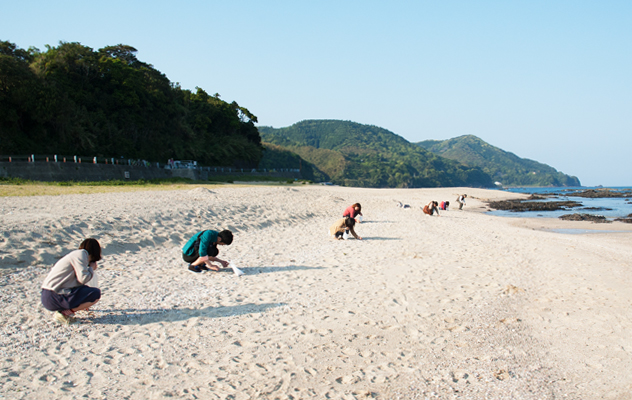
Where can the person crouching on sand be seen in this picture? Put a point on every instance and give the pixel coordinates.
(201, 250)
(339, 227)
(64, 290)
(431, 208)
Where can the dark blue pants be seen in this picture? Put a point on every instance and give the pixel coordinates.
(58, 302)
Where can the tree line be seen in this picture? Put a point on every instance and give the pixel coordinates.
(71, 99)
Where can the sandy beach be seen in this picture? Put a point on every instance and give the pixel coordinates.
(465, 305)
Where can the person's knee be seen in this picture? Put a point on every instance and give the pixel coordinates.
(94, 296)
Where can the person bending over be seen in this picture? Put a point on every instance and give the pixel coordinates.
(64, 290)
(461, 201)
(353, 211)
(431, 208)
(339, 227)
(201, 250)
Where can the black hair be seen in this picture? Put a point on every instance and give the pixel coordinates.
(349, 222)
(226, 236)
(93, 248)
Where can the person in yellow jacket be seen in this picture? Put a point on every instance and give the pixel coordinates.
(339, 227)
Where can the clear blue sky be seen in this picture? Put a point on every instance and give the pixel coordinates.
(546, 80)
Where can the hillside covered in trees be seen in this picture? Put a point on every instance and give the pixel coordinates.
(71, 99)
(502, 166)
(352, 154)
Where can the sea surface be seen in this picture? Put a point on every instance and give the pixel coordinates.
(608, 207)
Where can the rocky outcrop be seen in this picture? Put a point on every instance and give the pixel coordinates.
(530, 204)
(600, 219)
(600, 193)
(627, 220)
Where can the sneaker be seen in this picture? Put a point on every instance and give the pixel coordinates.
(62, 319)
(195, 269)
(203, 268)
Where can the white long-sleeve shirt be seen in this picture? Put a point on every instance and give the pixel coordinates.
(69, 272)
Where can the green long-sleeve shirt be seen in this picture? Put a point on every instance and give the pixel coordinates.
(207, 239)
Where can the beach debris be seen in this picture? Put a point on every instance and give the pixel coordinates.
(236, 270)
(501, 374)
(511, 289)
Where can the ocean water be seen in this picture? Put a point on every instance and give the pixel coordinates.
(608, 207)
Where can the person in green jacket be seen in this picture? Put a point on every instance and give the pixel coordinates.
(201, 250)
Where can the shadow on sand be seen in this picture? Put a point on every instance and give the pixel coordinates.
(268, 270)
(364, 238)
(147, 316)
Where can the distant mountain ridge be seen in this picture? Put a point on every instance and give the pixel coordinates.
(504, 167)
(353, 154)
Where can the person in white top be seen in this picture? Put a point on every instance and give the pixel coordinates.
(65, 290)
(461, 201)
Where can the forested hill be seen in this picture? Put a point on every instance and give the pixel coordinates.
(73, 100)
(353, 154)
(502, 166)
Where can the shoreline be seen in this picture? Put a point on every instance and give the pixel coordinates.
(462, 305)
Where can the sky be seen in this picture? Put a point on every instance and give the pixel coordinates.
(549, 81)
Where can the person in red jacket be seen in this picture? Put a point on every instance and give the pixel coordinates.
(353, 211)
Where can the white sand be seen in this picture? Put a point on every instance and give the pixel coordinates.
(464, 305)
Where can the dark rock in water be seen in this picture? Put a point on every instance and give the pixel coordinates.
(601, 193)
(600, 219)
(529, 205)
(627, 220)
(597, 208)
